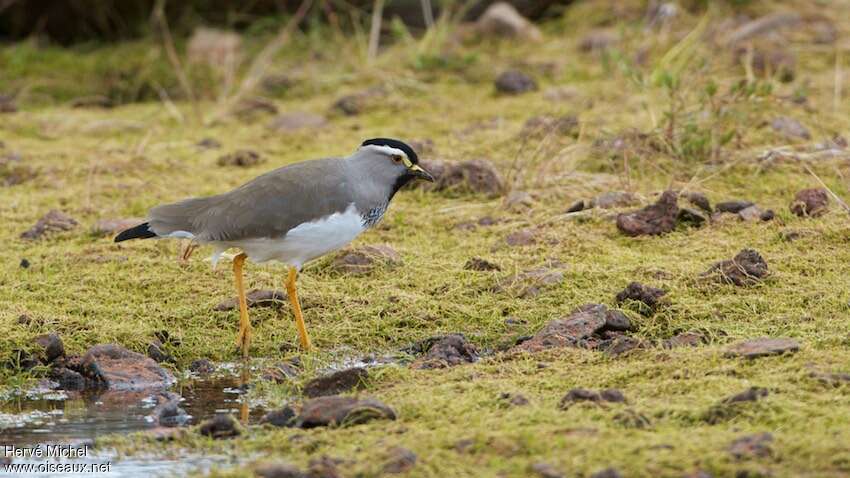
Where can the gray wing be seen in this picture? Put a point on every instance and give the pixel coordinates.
(267, 206)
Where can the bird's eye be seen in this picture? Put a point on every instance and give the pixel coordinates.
(396, 158)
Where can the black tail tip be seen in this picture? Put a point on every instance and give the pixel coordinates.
(142, 231)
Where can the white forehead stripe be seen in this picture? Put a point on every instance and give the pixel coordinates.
(379, 148)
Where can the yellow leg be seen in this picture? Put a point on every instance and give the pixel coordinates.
(243, 340)
(296, 309)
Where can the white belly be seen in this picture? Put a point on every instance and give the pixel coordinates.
(303, 243)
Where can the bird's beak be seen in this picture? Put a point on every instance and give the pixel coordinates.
(418, 172)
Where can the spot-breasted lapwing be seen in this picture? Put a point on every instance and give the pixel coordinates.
(292, 215)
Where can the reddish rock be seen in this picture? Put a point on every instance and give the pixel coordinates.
(399, 460)
(53, 221)
(576, 395)
(336, 410)
(255, 298)
(573, 330)
(364, 259)
(447, 351)
(685, 339)
(810, 202)
(113, 367)
(650, 297)
(337, 382)
(763, 347)
(746, 268)
(659, 218)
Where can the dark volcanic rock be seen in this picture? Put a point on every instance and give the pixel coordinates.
(746, 268)
(651, 297)
(400, 460)
(583, 395)
(447, 351)
(364, 259)
(255, 298)
(620, 345)
(699, 200)
(751, 394)
(202, 367)
(221, 426)
(50, 347)
(685, 339)
(514, 399)
(479, 264)
(53, 221)
(281, 372)
(474, 176)
(113, 367)
(575, 329)
(810, 202)
(577, 206)
(342, 411)
(156, 351)
(733, 207)
(337, 382)
(832, 378)
(690, 216)
(243, 158)
(514, 82)
(659, 218)
(763, 347)
(68, 379)
(284, 417)
(208, 143)
(749, 446)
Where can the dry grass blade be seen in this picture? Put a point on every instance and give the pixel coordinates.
(173, 58)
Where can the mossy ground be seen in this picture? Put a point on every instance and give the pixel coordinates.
(97, 164)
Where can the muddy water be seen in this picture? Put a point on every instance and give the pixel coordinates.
(41, 418)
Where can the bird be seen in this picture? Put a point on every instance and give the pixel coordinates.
(292, 215)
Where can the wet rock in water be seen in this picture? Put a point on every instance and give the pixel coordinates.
(651, 297)
(475, 176)
(523, 237)
(733, 207)
(279, 470)
(359, 102)
(53, 221)
(68, 379)
(364, 259)
(220, 426)
(202, 367)
(113, 367)
(243, 158)
(659, 218)
(529, 283)
(607, 473)
(790, 128)
(281, 372)
(400, 460)
(575, 329)
(810, 202)
(515, 82)
(336, 410)
(577, 395)
(49, 348)
(745, 269)
(479, 264)
(685, 339)
(105, 227)
(699, 200)
(447, 351)
(597, 41)
(283, 417)
(577, 206)
(156, 351)
(614, 199)
(208, 143)
(255, 298)
(751, 394)
(749, 446)
(545, 125)
(763, 347)
(513, 399)
(337, 382)
(691, 217)
(296, 121)
(168, 412)
(501, 19)
(545, 470)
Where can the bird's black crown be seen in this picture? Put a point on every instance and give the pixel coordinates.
(394, 143)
